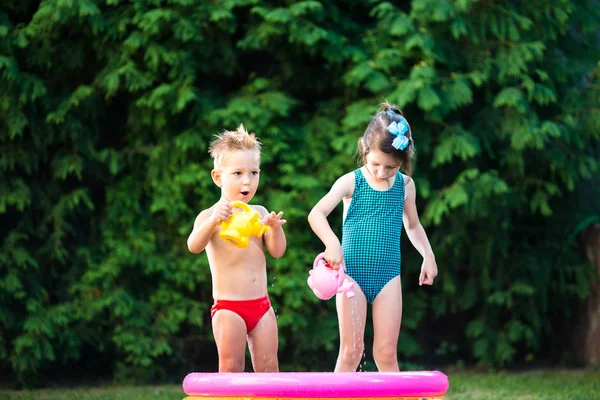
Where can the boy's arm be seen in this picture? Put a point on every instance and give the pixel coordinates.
(418, 237)
(275, 238)
(204, 227)
(317, 218)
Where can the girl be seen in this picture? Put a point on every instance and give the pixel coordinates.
(378, 199)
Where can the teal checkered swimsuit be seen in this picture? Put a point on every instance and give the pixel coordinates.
(371, 234)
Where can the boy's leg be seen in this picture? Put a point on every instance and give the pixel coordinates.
(229, 330)
(352, 314)
(263, 344)
(387, 315)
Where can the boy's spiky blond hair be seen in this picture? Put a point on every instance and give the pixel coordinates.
(228, 141)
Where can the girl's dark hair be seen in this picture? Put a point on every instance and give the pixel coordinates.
(377, 137)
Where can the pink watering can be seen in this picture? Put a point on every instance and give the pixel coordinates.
(325, 281)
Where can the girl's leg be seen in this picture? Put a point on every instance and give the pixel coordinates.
(387, 314)
(229, 330)
(263, 344)
(352, 314)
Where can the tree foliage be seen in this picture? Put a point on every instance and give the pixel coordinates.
(107, 107)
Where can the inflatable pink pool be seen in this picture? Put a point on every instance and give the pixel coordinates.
(296, 385)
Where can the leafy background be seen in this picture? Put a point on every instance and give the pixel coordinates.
(106, 111)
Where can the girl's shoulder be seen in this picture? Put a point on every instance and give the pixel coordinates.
(345, 184)
(348, 178)
(409, 188)
(406, 179)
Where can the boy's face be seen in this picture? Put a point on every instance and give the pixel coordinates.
(238, 174)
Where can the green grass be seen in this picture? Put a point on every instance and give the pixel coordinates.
(536, 385)
(170, 392)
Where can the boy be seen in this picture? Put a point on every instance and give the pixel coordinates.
(242, 310)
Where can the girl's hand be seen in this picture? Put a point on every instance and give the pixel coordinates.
(334, 256)
(273, 220)
(429, 271)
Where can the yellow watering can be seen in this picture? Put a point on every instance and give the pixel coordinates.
(240, 226)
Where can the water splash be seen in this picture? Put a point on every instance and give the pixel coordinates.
(363, 364)
(356, 322)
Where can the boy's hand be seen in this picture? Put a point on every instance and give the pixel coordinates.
(429, 271)
(273, 220)
(222, 212)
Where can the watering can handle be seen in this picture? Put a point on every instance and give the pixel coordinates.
(318, 258)
(247, 209)
(240, 204)
(340, 270)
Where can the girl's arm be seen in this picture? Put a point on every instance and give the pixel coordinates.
(317, 218)
(275, 237)
(417, 235)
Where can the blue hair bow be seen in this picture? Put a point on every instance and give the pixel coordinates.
(398, 129)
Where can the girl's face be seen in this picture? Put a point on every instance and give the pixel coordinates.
(238, 175)
(380, 165)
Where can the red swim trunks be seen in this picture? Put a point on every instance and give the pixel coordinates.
(251, 311)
